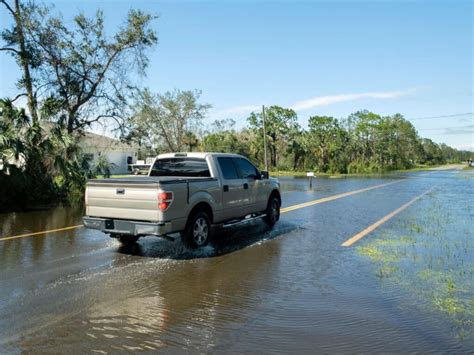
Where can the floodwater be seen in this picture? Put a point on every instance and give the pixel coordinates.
(406, 287)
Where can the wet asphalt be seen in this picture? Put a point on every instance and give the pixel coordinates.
(292, 288)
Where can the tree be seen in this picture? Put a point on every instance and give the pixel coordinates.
(226, 142)
(223, 125)
(328, 142)
(27, 155)
(190, 140)
(84, 76)
(72, 76)
(432, 152)
(167, 118)
(80, 74)
(363, 128)
(11, 122)
(18, 44)
(279, 124)
(398, 145)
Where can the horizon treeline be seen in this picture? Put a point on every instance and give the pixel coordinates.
(364, 142)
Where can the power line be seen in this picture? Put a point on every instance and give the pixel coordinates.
(468, 127)
(444, 116)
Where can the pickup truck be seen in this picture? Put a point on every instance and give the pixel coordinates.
(189, 193)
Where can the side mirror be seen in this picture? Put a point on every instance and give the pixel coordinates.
(264, 174)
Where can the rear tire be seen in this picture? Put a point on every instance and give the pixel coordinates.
(272, 212)
(125, 239)
(198, 231)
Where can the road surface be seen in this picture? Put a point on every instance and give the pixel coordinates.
(325, 279)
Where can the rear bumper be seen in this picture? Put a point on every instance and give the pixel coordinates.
(120, 226)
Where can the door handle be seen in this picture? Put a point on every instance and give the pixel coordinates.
(226, 188)
(246, 186)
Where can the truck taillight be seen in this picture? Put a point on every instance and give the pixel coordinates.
(165, 198)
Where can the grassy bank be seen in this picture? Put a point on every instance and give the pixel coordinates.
(414, 169)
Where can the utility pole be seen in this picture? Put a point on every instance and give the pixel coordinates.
(264, 138)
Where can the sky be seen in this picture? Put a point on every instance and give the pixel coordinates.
(317, 57)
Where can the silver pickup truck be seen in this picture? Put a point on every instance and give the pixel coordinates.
(190, 193)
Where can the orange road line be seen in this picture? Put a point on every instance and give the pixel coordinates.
(335, 197)
(43, 232)
(381, 221)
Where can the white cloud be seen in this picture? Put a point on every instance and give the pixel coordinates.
(332, 99)
(318, 101)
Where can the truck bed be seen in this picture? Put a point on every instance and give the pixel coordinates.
(136, 198)
(144, 180)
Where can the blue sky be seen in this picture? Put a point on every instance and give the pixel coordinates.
(321, 58)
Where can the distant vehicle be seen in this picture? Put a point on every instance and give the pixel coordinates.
(190, 193)
(141, 167)
(470, 163)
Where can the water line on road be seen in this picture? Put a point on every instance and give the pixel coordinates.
(335, 197)
(43, 232)
(381, 221)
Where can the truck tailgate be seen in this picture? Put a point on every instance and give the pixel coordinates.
(123, 200)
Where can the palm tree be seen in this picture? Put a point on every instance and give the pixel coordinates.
(12, 122)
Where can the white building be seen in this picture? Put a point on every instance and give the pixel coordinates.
(117, 153)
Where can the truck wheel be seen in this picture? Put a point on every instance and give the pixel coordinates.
(272, 212)
(127, 239)
(198, 230)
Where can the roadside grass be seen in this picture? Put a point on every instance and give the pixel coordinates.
(341, 175)
(430, 255)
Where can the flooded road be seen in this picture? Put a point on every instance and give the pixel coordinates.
(407, 286)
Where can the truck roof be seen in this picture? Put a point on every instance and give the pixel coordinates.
(201, 155)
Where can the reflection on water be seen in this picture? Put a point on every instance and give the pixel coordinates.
(164, 303)
(27, 252)
(41, 219)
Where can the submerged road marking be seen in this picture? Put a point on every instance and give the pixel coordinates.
(43, 232)
(381, 221)
(283, 210)
(335, 197)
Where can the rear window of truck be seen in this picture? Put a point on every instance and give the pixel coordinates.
(187, 167)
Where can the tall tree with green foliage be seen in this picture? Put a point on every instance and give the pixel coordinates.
(166, 119)
(280, 124)
(327, 142)
(86, 75)
(432, 153)
(18, 44)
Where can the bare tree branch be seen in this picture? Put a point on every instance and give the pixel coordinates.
(8, 7)
(10, 50)
(18, 96)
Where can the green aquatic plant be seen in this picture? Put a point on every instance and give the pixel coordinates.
(376, 254)
(449, 304)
